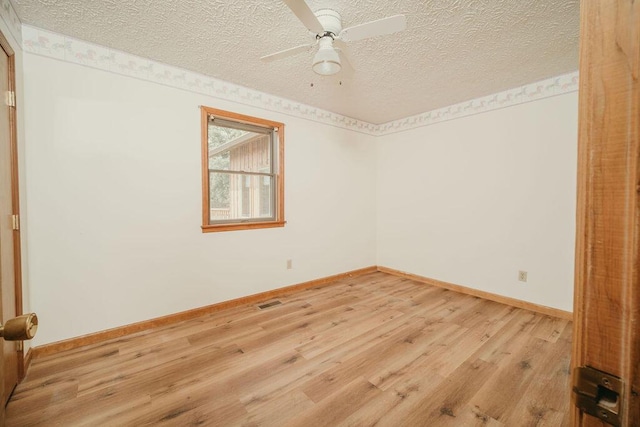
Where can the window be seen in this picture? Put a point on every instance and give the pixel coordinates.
(243, 172)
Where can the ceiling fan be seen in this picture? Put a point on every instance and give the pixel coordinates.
(331, 38)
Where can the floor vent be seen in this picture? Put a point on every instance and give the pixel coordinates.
(268, 304)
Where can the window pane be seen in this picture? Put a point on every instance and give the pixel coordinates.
(220, 161)
(240, 196)
(239, 150)
(219, 135)
(220, 185)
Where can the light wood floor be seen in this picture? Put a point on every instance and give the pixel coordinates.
(374, 349)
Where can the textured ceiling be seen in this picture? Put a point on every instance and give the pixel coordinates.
(452, 50)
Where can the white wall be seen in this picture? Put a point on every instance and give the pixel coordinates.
(472, 201)
(113, 185)
(114, 192)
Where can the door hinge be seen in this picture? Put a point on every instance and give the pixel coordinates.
(598, 394)
(10, 98)
(15, 222)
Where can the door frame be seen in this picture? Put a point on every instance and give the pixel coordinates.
(606, 344)
(15, 195)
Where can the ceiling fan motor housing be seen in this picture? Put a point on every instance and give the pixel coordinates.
(330, 20)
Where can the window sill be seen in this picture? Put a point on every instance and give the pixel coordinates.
(241, 226)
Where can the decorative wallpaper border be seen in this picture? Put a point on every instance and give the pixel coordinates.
(559, 85)
(58, 46)
(10, 17)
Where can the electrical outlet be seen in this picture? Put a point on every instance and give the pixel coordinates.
(522, 276)
(289, 264)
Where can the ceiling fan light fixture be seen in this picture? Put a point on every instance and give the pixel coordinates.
(326, 68)
(326, 61)
(326, 25)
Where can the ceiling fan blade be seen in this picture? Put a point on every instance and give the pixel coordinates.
(343, 52)
(306, 15)
(288, 52)
(346, 67)
(383, 26)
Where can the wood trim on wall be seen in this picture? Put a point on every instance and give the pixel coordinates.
(280, 177)
(242, 226)
(204, 123)
(549, 311)
(133, 328)
(27, 360)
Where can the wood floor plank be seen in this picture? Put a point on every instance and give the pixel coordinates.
(541, 404)
(340, 330)
(300, 375)
(279, 410)
(339, 406)
(390, 407)
(353, 366)
(472, 416)
(369, 350)
(497, 396)
(442, 405)
(549, 328)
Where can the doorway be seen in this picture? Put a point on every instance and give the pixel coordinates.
(10, 264)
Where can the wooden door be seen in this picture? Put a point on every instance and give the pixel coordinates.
(607, 293)
(9, 238)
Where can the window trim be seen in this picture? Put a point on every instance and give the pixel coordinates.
(279, 172)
